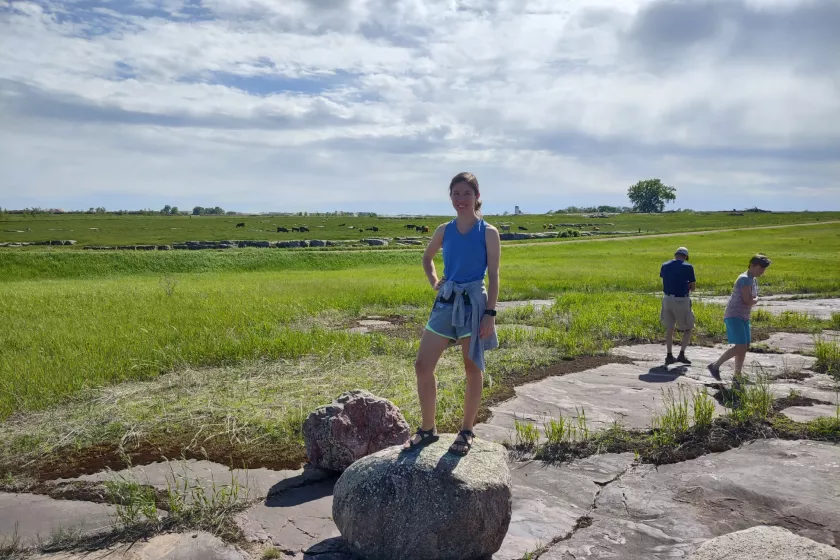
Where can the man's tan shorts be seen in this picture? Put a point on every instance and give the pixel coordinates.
(676, 312)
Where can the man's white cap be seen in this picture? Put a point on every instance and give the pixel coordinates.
(682, 251)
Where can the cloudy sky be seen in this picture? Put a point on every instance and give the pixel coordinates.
(261, 105)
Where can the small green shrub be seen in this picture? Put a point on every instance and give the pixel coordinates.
(556, 430)
(271, 553)
(828, 357)
(704, 409)
(527, 434)
(669, 426)
(753, 399)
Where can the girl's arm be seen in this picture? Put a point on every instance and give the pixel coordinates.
(494, 255)
(429, 255)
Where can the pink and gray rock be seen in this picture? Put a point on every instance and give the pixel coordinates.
(357, 424)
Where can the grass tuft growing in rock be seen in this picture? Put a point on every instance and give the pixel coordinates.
(673, 438)
(827, 353)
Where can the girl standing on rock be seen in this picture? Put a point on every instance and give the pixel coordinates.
(463, 312)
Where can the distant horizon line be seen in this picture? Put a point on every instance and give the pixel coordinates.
(369, 214)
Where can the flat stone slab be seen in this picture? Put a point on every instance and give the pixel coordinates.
(798, 342)
(259, 483)
(815, 386)
(627, 393)
(537, 303)
(764, 543)
(174, 546)
(821, 308)
(548, 500)
(633, 393)
(34, 516)
(808, 413)
(669, 511)
(701, 356)
(375, 323)
(293, 520)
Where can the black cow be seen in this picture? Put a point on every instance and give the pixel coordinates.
(522, 228)
(341, 225)
(374, 228)
(240, 224)
(282, 230)
(410, 226)
(304, 228)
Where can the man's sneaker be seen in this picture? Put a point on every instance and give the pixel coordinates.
(714, 371)
(683, 360)
(669, 359)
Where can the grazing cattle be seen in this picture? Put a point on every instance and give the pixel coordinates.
(240, 224)
(425, 229)
(374, 228)
(522, 228)
(341, 225)
(282, 230)
(350, 227)
(410, 226)
(596, 228)
(295, 229)
(504, 228)
(304, 228)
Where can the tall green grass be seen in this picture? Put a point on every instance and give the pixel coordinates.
(133, 316)
(802, 263)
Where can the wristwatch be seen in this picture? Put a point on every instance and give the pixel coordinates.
(491, 312)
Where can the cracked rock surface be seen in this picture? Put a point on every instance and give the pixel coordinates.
(668, 512)
(294, 519)
(632, 394)
(173, 546)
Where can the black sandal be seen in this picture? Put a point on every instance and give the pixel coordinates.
(466, 444)
(426, 437)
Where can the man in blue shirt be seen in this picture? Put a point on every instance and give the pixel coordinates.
(677, 282)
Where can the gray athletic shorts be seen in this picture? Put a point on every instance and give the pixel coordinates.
(440, 321)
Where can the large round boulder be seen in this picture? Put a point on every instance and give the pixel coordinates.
(357, 424)
(426, 504)
(764, 543)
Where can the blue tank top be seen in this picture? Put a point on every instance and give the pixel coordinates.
(465, 255)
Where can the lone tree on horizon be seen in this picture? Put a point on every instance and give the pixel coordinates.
(651, 195)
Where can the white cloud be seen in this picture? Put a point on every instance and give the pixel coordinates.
(377, 102)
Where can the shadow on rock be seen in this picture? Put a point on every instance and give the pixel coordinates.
(661, 374)
(334, 548)
(308, 491)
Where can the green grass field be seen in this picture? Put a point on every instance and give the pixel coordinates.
(239, 346)
(107, 229)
